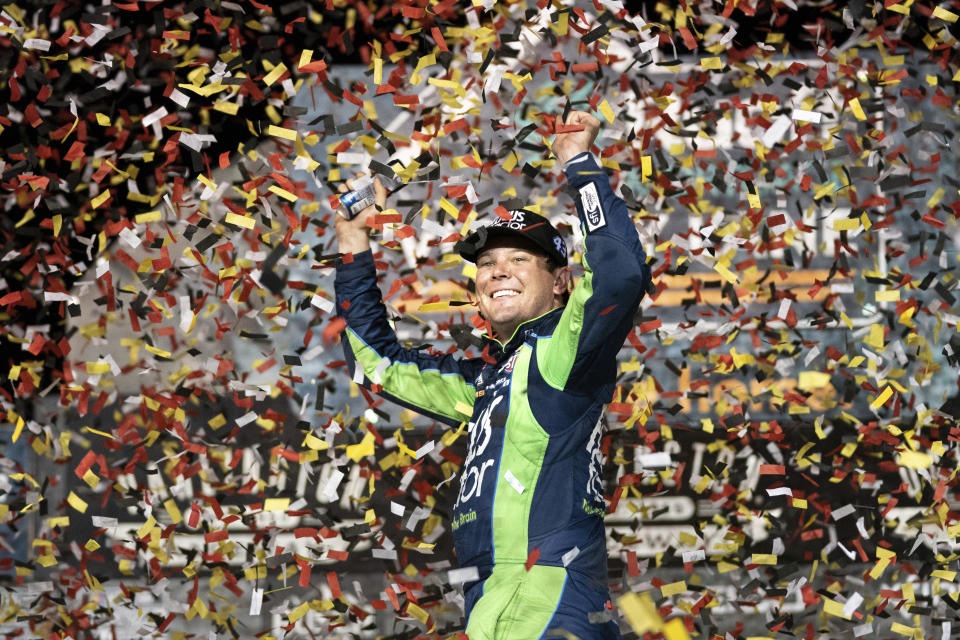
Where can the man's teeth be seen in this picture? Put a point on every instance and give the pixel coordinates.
(500, 294)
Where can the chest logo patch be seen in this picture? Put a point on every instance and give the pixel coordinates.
(476, 465)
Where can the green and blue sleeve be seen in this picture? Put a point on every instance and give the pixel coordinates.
(439, 387)
(580, 356)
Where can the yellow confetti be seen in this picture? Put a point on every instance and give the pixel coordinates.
(857, 109)
(149, 216)
(364, 448)
(299, 612)
(281, 132)
(846, 224)
(673, 588)
(675, 630)
(711, 63)
(914, 459)
(99, 433)
(240, 221)
(315, 443)
(882, 398)
(91, 479)
(417, 612)
(163, 353)
(147, 527)
(904, 630)
(230, 108)
(283, 193)
(810, 380)
(640, 612)
(77, 502)
(100, 199)
(943, 14)
(274, 74)
(305, 57)
(18, 429)
(173, 511)
(833, 608)
(97, 368)
(276, 504)
(607, 111)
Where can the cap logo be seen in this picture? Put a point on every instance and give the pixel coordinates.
(517, 221)
(559, 244)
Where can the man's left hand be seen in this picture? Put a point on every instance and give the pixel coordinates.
(569, 145)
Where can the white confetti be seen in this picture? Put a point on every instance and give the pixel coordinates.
(329, 491)
(776, 131)
(463, 574)
(426, 448)
(851, 605)
(37, 43)
(322, 303)
(154, 116)
(807, 116)
(256, 601)
(246, 418)
(695, 555)
(843, 512)
(104, 522)
(658, 460)
(784, 310)
(512, 480)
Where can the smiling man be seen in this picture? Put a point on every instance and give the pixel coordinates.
(529, 511)
(521, 271)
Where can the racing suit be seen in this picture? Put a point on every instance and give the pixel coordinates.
(529, 512)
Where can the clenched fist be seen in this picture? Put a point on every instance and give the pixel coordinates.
(353, 236)
(568, 145)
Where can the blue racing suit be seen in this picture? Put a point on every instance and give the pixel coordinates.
(529, 512)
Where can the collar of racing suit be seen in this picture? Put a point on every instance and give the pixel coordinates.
(541, 325)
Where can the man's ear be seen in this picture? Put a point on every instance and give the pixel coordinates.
(561, 284)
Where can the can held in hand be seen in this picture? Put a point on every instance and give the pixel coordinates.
(362, 196)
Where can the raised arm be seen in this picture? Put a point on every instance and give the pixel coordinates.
(580, 356)
(438, 387)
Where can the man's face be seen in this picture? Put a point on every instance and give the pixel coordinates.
(515, 284)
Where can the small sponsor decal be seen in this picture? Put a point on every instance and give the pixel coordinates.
(559, 244)
(592, 210)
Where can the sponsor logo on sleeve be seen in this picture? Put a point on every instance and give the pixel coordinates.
(592, 209)
(594, 482)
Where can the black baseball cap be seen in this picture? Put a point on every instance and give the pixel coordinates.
(523, 224)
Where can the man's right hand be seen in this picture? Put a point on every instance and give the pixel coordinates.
(353, 236)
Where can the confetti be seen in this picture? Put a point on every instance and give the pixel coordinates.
(177, 412)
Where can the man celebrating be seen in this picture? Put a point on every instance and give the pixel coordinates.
(529, 512)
